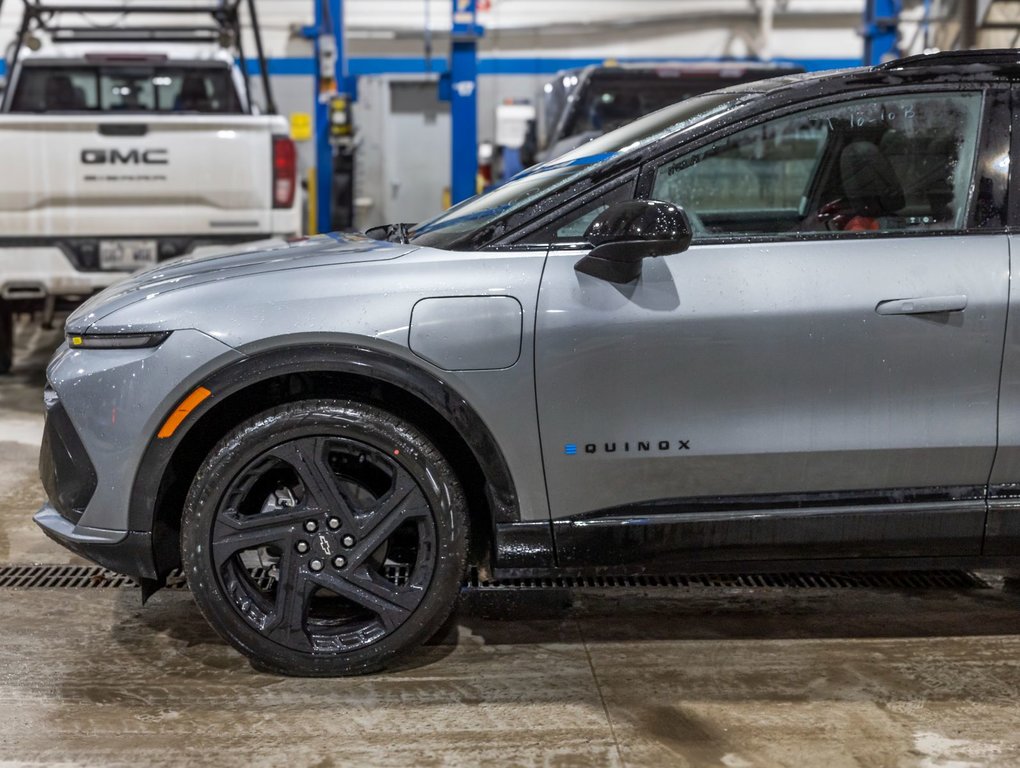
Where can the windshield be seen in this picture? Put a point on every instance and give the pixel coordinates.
(609, 101)
(578, 106)
(555, 95)
(537, 181)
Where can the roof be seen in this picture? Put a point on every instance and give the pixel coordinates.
(994, 57)
(708, 67)
(944, 67)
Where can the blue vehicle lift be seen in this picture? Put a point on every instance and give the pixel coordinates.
(333, 94)
(881, 30)
(334, 91)
(459, 86)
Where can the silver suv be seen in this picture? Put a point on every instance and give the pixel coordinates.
(769, 327)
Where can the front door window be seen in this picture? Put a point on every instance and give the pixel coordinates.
(895, 164)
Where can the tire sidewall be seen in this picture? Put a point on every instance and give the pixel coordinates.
(351, 420)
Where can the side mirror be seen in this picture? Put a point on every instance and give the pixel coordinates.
(625, 234)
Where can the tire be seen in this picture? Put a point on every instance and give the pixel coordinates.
(6, 337)
(325, 538)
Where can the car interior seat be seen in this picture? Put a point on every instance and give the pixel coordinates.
(194, 96)
(871, 187)
(61, 95)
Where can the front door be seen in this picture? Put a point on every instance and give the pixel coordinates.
(817, 376)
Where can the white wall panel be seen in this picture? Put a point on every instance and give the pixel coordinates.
(589, 28)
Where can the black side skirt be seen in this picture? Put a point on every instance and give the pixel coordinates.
(689, 534)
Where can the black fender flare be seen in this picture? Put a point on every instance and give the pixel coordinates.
(289, 355)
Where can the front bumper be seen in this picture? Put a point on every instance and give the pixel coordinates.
(128, 552)
(70, 481)
(104, 408)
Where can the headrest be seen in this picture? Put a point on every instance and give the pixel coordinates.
(869, 180)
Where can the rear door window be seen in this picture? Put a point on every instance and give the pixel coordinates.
(91, 88)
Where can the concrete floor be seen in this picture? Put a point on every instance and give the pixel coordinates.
(699, 677)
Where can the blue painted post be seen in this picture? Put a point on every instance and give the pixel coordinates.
(464, 100)
(881, 30)
(329, 23)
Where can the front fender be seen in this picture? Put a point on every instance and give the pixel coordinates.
(316, 353)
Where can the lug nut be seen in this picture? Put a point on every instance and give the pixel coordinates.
(301, 546)
(334, 523)
(339, 561)
(347, 541)
(311, 526)
(315, 565)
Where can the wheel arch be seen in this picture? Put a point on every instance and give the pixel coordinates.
(289, 369)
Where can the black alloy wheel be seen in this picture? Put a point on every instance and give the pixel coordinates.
(325, 538)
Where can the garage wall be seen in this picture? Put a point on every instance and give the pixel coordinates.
(527, 41)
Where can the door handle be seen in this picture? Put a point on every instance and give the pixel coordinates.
(923, 306)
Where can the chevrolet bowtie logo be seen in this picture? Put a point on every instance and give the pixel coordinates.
(324, 543)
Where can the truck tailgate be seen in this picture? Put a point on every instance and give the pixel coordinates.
(88, 175)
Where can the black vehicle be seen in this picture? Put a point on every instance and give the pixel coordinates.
(580, 104)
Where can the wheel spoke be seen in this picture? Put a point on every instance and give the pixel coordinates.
(386, 520)
(391, 605)
(235, 532)
(308, 458)
(286, 623)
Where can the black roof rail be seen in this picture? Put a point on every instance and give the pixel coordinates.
(948, 58)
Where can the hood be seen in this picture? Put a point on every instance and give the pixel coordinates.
(188, 271)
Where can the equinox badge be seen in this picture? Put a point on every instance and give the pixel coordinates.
(641, 446)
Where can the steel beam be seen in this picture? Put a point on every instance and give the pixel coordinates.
(328, 38)
(463, 94)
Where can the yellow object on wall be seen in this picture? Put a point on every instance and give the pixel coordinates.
(300, 126)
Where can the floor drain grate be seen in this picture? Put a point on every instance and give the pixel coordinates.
(61, 577)
(97, 577)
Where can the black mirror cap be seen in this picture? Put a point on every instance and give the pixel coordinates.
(625, 234)
(641, 220)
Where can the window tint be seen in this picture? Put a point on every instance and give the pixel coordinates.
(902, 163)
(86, 88)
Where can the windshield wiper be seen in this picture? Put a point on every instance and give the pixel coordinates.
(393, 233)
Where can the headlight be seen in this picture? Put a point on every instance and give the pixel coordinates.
(116, 340)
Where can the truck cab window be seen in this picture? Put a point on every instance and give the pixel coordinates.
(82, 87)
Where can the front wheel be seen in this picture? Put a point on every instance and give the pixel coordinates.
(325, 537)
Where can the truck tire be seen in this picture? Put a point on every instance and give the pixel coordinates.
(6, 337)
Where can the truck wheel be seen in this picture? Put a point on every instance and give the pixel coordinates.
(6, 337)
(325, 537)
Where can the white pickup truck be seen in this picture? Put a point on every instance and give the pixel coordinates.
(114, 157)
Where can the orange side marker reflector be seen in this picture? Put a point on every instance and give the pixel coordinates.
(187, 405)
